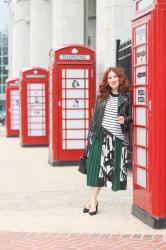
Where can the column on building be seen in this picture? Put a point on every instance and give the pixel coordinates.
(113, 21)
(20, 36)
(68, 22)
(40, 32)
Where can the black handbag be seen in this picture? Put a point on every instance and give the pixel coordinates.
(82, 164)
(83, 159)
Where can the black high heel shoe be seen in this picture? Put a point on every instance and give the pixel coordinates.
(94, 212)
(85, 210)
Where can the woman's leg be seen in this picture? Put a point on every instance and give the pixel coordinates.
(93, 198)
(91, 203)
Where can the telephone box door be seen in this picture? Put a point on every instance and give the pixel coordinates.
(74, 107)
(34, 107)
(141, 112)
(12, 108)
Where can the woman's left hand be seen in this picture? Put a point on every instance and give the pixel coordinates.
(121, 119)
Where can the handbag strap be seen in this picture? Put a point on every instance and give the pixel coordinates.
(87, 147)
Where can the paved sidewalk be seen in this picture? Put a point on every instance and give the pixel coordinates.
(43, 241)
(39, 199)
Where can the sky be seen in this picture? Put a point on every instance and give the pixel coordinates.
(3, 14)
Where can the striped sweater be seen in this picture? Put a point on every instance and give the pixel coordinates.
(110, 120)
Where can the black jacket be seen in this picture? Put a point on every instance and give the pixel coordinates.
(124, 109)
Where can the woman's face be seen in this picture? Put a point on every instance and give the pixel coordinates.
(113, 81)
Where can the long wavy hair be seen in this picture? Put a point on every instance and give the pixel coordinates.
(105, 89)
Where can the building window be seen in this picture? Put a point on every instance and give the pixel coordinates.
(3, 65)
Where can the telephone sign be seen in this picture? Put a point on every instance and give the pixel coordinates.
(144, 4)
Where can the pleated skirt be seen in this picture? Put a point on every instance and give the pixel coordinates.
(107, 162)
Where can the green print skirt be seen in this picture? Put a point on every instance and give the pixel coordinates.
(107, 162)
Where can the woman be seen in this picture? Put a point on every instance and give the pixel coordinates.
(108, 137)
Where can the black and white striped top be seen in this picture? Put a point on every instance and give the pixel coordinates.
(110, 120)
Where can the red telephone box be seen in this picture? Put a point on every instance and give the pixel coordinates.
(149, 112)
(72, 95)
(34, 107)
(12, 107)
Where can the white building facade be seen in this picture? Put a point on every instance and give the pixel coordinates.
(36, 26)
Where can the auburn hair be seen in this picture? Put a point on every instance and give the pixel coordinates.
(104, 88)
